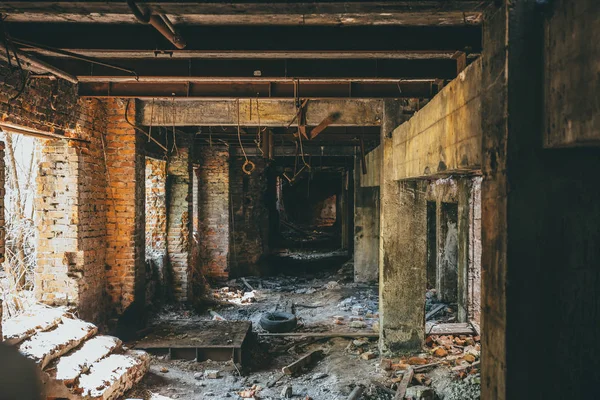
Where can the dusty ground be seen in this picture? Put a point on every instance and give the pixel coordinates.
(316, 299)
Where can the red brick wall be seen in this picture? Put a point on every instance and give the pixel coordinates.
(179, 218)
(1, 220)
(70, 216)
(213, 199)
(125, 255)
(90, 210)
(250, 227)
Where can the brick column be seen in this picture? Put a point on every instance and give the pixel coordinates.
(1, 220)
(125, 256)
(179, 210)
(214, 213)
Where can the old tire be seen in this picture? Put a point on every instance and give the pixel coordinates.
(278, 322)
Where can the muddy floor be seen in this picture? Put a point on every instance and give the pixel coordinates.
(323, 302)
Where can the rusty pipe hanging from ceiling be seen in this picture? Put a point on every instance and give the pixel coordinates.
(160, 23)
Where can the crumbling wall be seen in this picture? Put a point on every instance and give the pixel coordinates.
(540, 208)
(366, 220)
(156, 207)
(2, 234)
(214, 211)
(70, 217)
(474, 257)
(572, 74)
(250, 223)
(179, 225)
(125, 256)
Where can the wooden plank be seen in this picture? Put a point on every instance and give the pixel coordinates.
(449, 329)
(401, 391)
(434, 311)
(324, 335)
(324, 124)
(302, 362)
(273, 113)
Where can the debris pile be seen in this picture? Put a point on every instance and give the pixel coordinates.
(458, 353)
(234, 296)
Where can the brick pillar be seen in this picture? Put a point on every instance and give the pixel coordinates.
(70, 218)
(179, 209)
(214, 213)
(58, 259)
(125, 256)
(1, 220)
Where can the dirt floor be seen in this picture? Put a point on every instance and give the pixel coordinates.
(322, 302)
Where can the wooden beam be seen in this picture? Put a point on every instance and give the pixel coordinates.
(461, 61)
(253, 39)
(420, 12)
(323, 125)
(355, 112)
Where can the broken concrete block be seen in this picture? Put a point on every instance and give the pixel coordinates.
(198, 376)
(112, 376)
(358, 324)
(420, 393)
(38, 319)
(43, 347)
(70, 367)
(368, 355)
(212, 373)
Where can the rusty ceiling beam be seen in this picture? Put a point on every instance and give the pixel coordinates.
(353, 69)
(314, 89)
(256, 40)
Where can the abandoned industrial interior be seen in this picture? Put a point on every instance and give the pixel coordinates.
(300, 199)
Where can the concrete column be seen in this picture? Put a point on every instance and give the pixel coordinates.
(403, 251)
(179, 216)
(366, 229)
(540, 206)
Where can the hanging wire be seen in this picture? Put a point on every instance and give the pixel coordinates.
(151, 119)
(174, 137)
(258, 139)
(248, 166)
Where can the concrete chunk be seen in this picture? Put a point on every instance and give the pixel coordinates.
(112, 376)
(43, 347)
(38, 319)
(79, 361)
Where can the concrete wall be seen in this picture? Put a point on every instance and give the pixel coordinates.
(445, 135)
(366, 223)
(541, 208)
(572, 74)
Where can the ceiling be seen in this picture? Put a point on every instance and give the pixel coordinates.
(251, 49)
